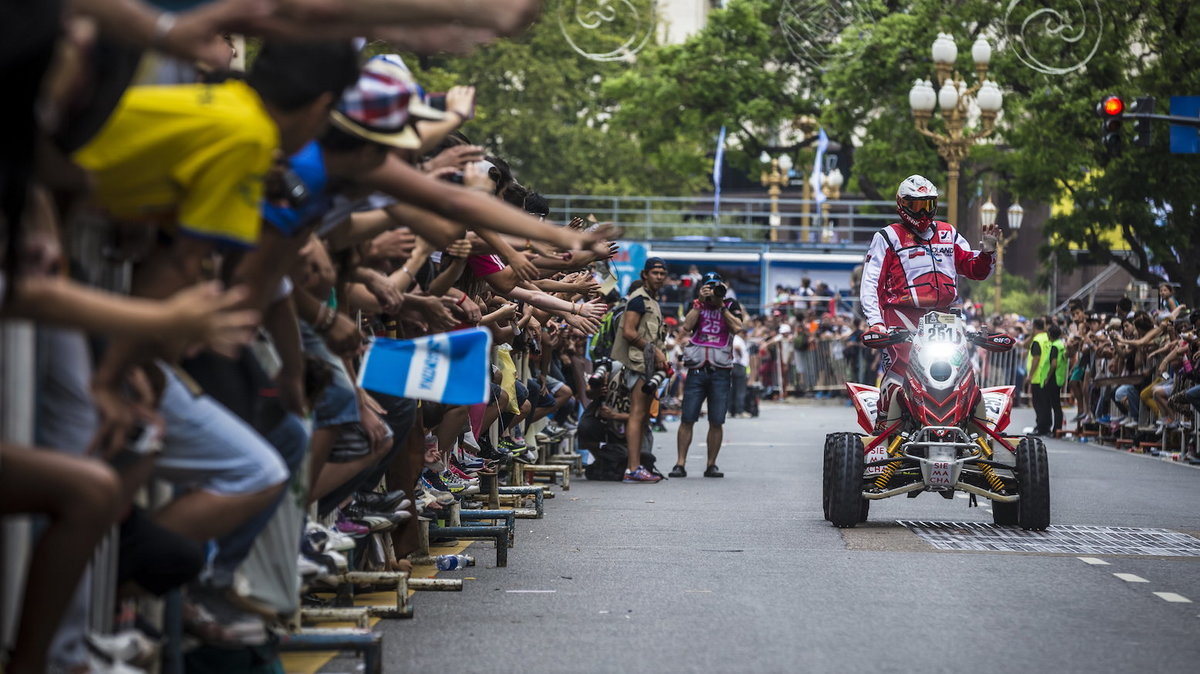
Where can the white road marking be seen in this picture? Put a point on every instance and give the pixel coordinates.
(1173, 598)
(531, 591)
(1094, 561)
(961, 495)
(1130, 578)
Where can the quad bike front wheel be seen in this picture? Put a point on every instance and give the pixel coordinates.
(826, 472)
(844, 468)
(1033, 484)
(1032, 510)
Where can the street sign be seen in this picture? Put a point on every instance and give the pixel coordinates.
(1185, 139)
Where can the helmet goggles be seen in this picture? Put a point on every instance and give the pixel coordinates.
(919, 207)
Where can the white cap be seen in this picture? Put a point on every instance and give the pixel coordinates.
(785, 329)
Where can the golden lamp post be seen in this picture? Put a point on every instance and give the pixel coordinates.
(774, 180)
(987, 217)
(955, 101)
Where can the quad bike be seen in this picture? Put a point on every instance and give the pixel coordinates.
(941, 432)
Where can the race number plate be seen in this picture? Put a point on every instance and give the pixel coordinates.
(941, 474)
(878, 453)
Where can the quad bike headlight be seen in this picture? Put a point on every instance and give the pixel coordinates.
(940, 371)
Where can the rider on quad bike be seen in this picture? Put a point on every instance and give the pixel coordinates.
(912, 268)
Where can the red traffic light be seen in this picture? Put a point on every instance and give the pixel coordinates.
(1112, 106)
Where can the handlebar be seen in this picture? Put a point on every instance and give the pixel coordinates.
(996, 341)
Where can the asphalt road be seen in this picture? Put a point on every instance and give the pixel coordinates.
(742, 574)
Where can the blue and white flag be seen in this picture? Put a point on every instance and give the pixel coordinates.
(716, 176)
(818, 171)
(452, 367)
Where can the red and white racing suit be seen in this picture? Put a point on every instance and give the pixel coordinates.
(907, 275)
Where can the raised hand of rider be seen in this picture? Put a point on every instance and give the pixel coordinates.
(990, 238)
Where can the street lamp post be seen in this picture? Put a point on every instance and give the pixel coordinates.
(774, 180)
(987, 216)
(954, 99)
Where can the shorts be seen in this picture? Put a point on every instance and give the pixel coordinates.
(706, 383)
(543, 399)
(208, 447)
(633, 378)
(1076, 374)
(338, 403)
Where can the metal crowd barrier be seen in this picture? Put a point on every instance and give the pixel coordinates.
(826, 365)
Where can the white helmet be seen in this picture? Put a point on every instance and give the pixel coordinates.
(916, 202)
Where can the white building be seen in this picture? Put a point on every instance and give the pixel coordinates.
(680, 19)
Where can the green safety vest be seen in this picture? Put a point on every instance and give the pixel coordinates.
(1038, 378)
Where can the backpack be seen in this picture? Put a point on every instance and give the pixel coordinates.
(611, 461)
(606, 336)
(800, 341)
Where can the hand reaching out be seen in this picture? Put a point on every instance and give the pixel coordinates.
(524, 268)
(457, 158)
(205, 314)
(594, 309)
(459, 248)
(460, 100)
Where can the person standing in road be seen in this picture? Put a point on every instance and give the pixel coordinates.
(1054, 376)
(712, 321)
(638, 347)
(741, 368)
(1037, 364)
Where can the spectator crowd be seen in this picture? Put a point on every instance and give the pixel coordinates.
(207, 253)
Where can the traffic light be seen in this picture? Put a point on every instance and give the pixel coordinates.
(1111, 110)
(1141, 127)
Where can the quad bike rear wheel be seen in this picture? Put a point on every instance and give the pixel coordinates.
(1004, 514)
(844, 476)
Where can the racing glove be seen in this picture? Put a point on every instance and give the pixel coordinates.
(875, 335)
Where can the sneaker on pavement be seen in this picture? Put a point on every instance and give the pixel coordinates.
(713, 471)
(640, 476)
(677, 471)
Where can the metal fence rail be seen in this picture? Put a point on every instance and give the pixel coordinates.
(799, 221)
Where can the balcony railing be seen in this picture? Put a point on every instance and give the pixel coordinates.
(801, 222)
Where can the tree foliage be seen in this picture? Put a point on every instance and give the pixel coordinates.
(648, 125)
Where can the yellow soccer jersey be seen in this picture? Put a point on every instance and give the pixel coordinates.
(194, 155)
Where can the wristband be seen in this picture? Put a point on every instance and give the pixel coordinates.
(326, 320)
(460, 300)
(162, 27)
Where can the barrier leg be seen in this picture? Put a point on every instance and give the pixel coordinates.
(499, 535)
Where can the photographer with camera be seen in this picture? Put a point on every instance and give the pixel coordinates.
(638, 347)
(713, 320)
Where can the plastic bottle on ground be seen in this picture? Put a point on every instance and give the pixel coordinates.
(451, 562)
